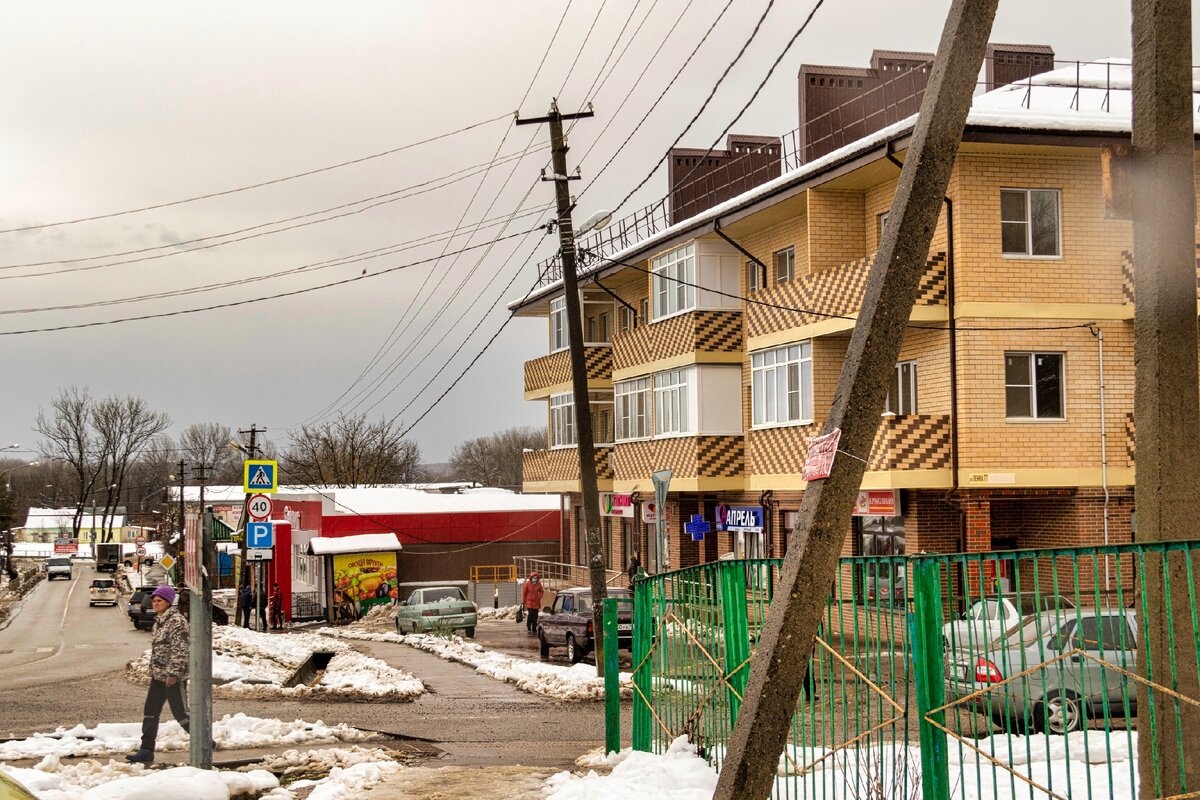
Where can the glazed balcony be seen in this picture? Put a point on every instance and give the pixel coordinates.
(693, 332)
(554, 370)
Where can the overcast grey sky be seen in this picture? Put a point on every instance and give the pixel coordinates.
(116, 106)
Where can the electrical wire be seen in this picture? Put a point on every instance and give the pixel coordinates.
(247, 301)
(258, 185)
(579, 50)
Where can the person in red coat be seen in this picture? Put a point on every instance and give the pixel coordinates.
(531, 598)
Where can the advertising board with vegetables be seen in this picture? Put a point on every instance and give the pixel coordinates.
(364, 577)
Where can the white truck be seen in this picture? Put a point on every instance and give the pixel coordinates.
(108, 556)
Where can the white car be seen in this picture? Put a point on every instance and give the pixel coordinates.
(102, 590)
(990, 619)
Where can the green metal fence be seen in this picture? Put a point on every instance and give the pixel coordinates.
(984, 675)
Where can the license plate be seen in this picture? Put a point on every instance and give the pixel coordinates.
(625, 627)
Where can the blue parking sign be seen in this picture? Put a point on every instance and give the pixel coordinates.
(260, 534)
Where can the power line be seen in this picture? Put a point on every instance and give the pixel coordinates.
(583, 44)
(251, 300)
(258, 185)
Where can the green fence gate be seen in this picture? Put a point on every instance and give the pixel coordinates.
(982, 675)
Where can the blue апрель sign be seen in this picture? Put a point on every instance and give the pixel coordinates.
(739, 518)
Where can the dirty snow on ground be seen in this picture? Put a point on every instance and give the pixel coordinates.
(230, 732)
(343, 783)
(97, 780)
(577, 682)
(255, 663)
(1083, 764)
(498, 614)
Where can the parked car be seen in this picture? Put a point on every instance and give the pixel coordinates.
(143, 614)
(59, 567)
(437, 607)
(568, 623)
(102, 590)
(989, 620)
(1058, 697)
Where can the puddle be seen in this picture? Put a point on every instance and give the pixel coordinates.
(454, 783)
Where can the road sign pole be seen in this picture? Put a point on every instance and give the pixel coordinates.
(200, 656)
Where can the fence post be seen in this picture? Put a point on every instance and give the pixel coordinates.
(612, 679)
(925, 633)
(736, 630)
(643, 663)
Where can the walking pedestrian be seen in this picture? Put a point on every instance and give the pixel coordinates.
(276, 608)
(245, 600)
(260, 603)
(635, 565)
(168, 672)
(531, 599)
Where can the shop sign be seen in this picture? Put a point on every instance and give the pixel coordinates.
(739, 518)
(877, 503)
(360, 577)
(697, 527)
(616, 505)
(650, 513)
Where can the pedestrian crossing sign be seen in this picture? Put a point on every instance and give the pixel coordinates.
(260, 476)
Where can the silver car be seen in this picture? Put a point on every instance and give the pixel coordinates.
(1057, 697)
(436, 607)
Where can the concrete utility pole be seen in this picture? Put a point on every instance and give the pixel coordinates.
(779, 666)
(252, 452)
(200, 641)
(579, 381)
(182, 548)
(1166, 388)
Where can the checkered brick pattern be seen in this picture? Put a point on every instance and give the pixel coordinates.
(699, 331)
(533, 466)
(635, 461)
(604, 470)
(913, 441)
(555, 368)
(778, 451)
(721, 456)
(562, 464)
(1127, 273)
(1130, 438)
(832, 292)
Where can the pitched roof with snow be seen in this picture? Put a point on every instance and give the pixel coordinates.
(389, 499)
(361, 543)
(60, 518)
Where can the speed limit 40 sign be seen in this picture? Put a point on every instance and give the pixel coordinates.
(259, 507)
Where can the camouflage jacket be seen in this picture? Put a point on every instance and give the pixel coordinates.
(169, 648)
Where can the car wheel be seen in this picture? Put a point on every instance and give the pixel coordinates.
(575, 653)
(1060, 713)
(470, 632)
(543, 645)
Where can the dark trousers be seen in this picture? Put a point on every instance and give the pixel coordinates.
(531, 619)
(158, 694)
(276, 617)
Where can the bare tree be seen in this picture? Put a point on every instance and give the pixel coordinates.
(210, 443)
(125, 427)
(67, 435)
(495, 460)
(351, 451)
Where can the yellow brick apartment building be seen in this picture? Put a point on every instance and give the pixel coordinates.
(715, 343)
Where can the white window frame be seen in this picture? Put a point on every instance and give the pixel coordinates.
(906, 387)
(1027, 222)
(559, 338)
(753, 275)
(672, 395)
(776, 376)
(562, 420)
(632, 400)
(788, 258)
(1031, 386)
(673, 282)
(628, 319)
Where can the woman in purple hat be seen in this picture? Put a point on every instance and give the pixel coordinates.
(168, 671)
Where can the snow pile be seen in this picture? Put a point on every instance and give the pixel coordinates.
(254, 663)
(230, 732)
(498, 614)
(578, 682)
(294, 765)
(93, 780)
(678, 774)
(343, 783)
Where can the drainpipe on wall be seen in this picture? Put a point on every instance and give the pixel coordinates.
(1099, 334)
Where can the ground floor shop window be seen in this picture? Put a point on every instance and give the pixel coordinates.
(880, 582)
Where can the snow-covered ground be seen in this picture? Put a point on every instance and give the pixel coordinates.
(498, 614)
(577, 682)
(332, 773)
(247, 662)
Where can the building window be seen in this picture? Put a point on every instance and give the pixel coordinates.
(902, 394)
(628, 319)
(632, 407)
(644, 310)
(671, 401)
(1029, 222)
(562, 420)
(781, 385)
(1033, 385)
(674, 281)
(558, 324)
(753, 273)
(597, 328)
(881, 223)
(883, 582)
(785, 265)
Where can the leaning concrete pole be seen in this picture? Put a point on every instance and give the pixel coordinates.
(1166, 389)
(779, 666)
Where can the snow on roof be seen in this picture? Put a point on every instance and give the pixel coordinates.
(1045, 102)
(362, 543)
(380, 500)
(57, 518)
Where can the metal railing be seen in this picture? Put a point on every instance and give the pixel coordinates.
(556, 575)
(493, 573)
(973, 675)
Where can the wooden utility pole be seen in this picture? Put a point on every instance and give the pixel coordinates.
(579, 378)
(786, 644)
(1166, 387)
